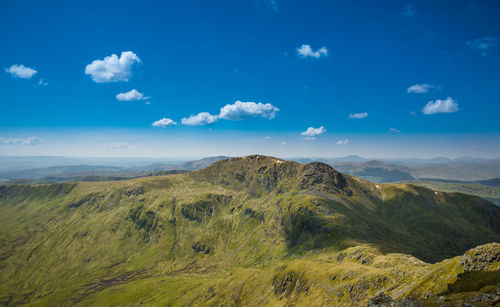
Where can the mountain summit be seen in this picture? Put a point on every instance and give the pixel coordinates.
(292, 233)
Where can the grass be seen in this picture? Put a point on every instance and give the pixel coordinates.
(490, 193)
(244, 231)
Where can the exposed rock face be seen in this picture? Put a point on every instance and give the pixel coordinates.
(381, 300)
(482, 258)
(322, 175)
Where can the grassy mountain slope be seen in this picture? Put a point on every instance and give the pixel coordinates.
(489, 192)
(242, 231)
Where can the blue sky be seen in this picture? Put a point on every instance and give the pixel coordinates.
(383, 78)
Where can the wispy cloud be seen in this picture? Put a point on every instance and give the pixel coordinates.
(483, 44)
(245, 110)
(342, 142)
(409, 10)
(113, 68)
(306, 51)
(131, 95)
(358, 115)
(440, 106)
(42, 82)
(419, 88)
(32, 140)
(20, 71)
(311, 133)
(201, 119)
(164, 122)
(272, 4)
(120, 145)
(267, 138)
(395, 130)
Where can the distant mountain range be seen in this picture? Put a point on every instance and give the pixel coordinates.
(80, 172)
(383, 170)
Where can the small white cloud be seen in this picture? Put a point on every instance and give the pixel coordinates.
(409, 10)
(312, 132)
(163, 122)
(201, 119)
(245, 110)
(358, 115)
(419, 88)
(342, 142)
(482, 44)
(283, 143)
(20, 71)
(306, 51)
(113, 68)
(395, 130)
(120, 145)
(440, 106)
(32, 140)
(131, 95)
(267, 138)
(148, 102)
(42, 82)
(309, 138)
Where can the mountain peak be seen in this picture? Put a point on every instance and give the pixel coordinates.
(268, 173)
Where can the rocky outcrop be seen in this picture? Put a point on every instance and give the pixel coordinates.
(482, 258)
(381, 300)
(323, 176)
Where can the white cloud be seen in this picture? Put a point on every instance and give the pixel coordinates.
(112, 68)
(163, 122)
(312, 132)
(267, 138)
(395, 130)
(244, 110)
(482, 44)
(201, 119)
(283, 143)
(419, 88)
(358, 115)
(120, 145)
(32, 140)
(342, 142)
(440, 106)
(131, 95)
(20, 71)
(42, 82)
(306, 51)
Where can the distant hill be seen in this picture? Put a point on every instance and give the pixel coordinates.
(95, 172)
(254, 230)
(487, 191)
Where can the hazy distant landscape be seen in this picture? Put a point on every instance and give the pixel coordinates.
(473, 176)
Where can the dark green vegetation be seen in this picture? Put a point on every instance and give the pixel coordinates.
(243, 231)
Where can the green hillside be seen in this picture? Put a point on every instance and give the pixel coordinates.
(489, 192)
(243, 231)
